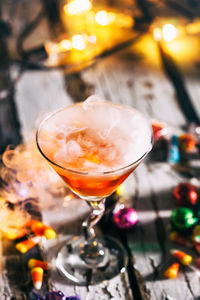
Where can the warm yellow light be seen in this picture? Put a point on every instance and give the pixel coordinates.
(193, 28)
(102, 18)
(120, 190)
(92, 39)
(169, 32)
(157, 34)
(66, 44)
(77, 7)
(78, 42)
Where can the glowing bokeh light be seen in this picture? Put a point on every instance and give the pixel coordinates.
(102, 18)
(66, 44)
(77, 7)
(92, 39)
(157, 34)
(169, 32)
(78, 42)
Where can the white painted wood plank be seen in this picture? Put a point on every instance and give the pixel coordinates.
(38, 93)
(144, 242)
(137, 85)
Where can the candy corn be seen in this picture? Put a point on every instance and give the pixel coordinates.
(26, 245)
(38, 228)
(37, 277)
(184, 258)
(14, 233)
(179, 239)
(49, 233)
(32, 263)
(172, 271)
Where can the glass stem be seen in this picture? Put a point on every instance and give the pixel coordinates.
(92, 252)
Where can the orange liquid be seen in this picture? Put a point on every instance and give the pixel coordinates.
(93, 186)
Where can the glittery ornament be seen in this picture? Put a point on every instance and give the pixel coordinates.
(125, 218)
(185, 194)
(186, 142)
(182, 218)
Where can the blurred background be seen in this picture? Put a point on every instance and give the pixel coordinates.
(73, 35)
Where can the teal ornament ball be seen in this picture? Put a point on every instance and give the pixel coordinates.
(183, 218)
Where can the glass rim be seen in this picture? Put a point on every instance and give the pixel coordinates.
(98, 173)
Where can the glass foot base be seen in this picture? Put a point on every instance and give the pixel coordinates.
(71, 265)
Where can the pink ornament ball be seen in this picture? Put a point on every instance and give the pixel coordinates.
(125, 218)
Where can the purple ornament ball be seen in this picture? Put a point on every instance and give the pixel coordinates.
(125, 218)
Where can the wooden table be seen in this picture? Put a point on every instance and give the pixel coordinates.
(135, 77)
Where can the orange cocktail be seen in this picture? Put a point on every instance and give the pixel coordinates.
(93, 146)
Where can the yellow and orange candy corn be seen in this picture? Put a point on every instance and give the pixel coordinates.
(26, 245)
(33, 263)
(38, 228)
(49, 233)
(15, 233)
(184, 258)
(37, 277)
(172, 271)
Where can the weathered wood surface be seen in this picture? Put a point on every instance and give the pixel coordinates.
(132, 79)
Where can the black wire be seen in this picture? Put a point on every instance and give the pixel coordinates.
(26, 32)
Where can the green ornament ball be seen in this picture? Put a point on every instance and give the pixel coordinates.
(183, 218)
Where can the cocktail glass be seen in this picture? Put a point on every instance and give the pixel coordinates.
(93, 146)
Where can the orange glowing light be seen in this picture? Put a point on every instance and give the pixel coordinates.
(157, 34)
(78, 42)
(169, 32)
(77, 7)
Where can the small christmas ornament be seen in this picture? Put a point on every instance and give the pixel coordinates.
(185, 194)
(182, 218)
(186, 142)
(174, 154)
(125, 218)
(159, 130)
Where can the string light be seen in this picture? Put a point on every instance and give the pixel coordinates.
(66, 44)
(103, 18)
(157, 34)
(92, 39)
(169, 32)
(77, 7)
(78, 42)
